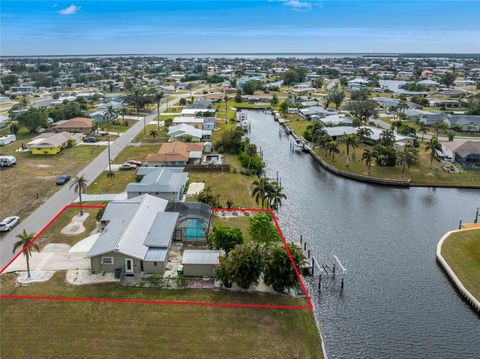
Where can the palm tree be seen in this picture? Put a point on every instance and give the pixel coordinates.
(80, 185)
(433, 145)
(123, 111)
(261, 188)
(364, 133)
(25, 241)
(332, 148)
(158, 98)
(275, 195)
(406, 157)
(367, 156)
(111, 113)
(153, 134)
(225, 98)
(423, 129)
(350, 141)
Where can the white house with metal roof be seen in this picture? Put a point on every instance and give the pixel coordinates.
(136, 238)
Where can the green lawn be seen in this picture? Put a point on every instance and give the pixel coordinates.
(420, 173)
(240, 222)
(119, 128)
(86, 329)
(145, 135)
(462, 252)
(231, 186)
(115, 184)
(138, 153)
(53, 233)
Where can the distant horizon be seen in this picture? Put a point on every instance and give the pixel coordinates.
(288, 54)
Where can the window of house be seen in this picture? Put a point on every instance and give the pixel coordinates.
(154, 263)
(107, 260)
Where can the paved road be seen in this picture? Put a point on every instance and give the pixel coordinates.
(332, 84)
(43, 214)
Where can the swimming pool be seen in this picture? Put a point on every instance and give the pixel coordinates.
(194, 230)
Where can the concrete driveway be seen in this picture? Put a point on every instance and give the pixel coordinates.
(54, 257)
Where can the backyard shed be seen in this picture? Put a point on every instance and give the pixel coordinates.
(199, 263)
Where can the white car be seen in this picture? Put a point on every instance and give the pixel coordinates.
(8, 223)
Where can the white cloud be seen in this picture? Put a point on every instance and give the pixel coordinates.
(297, 4)
(70, 10)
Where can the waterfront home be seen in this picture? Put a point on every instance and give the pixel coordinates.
(136, 238)
(196, 122)
(465, 153)
(332, 120)
(317, 110)
(200, 104)
(165, 182)
(465, 123)
(176, 154)
(51, 143)
(338, 132)
(137, 234)
(187, 132)
(75, 125)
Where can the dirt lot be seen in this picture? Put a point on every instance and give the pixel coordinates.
(32, 181)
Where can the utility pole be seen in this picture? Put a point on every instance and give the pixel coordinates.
(109, 157)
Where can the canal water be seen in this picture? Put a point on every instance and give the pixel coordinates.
(396, 303)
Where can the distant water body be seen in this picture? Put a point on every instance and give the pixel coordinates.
(300, 55)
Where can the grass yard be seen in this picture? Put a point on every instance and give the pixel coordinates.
(116, 184)
(138, 153)
(119, 128)
(462, 252)
(145, 135)
(421, 173)
(36, 174)
(53, 233)
(231, 186)
(85, 329)
(240, 222)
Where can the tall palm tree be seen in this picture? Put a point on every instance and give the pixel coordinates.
(406, 157)
(367, 156)
(332, 148)
(225, 98)
(24, 242)
(432, 146)
(123, 111)
(276, 195)
(261, 188)
(80, 185)
(351, 141)
(423, 129)
(111, 113)
(158, 98)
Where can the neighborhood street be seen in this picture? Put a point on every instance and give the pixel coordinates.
(43, 214)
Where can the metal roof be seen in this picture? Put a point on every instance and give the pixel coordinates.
(128, 226)
(200, 257)
(160, 181)
(156, 255)
(161, 231)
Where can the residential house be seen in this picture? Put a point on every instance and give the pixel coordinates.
(136, 238)
(445, 104)
(200, 104)
(187, 132)
(189, 112)
(176, 154)
(357, 84)
(75, 125)
(317, 110)
(51, 143)
(165, 182)
(468, 155)
(333, 120)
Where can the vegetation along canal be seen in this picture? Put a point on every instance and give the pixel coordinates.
(396, 301)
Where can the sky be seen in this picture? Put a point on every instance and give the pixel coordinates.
(45, 27)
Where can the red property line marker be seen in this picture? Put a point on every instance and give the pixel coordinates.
(161, 302)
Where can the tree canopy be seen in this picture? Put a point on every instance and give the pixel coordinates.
(32, 119)
(262, 229)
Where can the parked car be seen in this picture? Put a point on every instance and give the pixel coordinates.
(134, 163)
(7, 161)
(62, 180)
(90, 139)
(8, 223)
(127, 167)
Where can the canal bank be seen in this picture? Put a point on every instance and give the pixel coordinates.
(394, 300)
